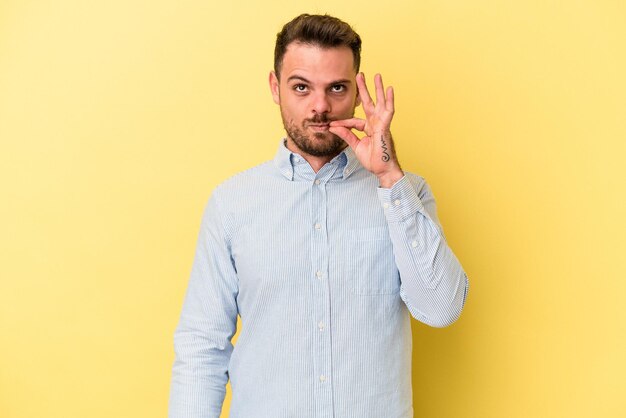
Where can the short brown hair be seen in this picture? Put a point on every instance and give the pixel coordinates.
(320, 30)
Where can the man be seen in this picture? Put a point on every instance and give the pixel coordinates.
(324, 253)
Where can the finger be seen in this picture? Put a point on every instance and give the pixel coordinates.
(366, 99)
(353, 123)
(345, 134)
(389, 105)
(380, 91)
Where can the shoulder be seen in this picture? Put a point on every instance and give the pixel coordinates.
(245, 181)
(244, 192)
(236, 196)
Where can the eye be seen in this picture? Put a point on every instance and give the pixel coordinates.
(338, 88)
(300, 88)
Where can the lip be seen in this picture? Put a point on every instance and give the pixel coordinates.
(321, 127)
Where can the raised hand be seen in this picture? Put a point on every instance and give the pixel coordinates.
(375, 150)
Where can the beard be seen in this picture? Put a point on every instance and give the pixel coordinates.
(316, 144)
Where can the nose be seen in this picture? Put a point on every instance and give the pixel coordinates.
(320, 103)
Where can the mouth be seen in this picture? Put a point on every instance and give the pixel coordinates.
(319, 127)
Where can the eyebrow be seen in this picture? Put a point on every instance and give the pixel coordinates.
(300, 78)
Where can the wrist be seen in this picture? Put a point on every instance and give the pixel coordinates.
(388, 179)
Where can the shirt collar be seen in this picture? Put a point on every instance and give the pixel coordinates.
(285, 161)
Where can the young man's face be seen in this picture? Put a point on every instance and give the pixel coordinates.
(316, 85)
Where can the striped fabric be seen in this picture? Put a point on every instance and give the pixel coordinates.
(325, 270)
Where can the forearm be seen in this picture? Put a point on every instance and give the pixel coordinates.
(203, 347)
(199, 375)
(433, 283)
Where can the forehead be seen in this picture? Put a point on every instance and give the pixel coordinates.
(316, 63)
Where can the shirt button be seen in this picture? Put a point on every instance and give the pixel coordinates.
(321, 326)
(396, 202)
(318, 274)
(318, 226)
(414, 244)
(322, 378)
(385, 205)
(317, 181)
(297, 159)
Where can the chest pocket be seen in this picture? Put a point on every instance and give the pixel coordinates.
(371, 266)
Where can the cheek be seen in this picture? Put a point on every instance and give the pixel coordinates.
(290, 117)
(346, 105)
(294, 110)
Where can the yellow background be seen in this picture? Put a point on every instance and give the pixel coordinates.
(118, 118)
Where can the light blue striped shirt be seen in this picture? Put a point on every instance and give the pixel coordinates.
(325, 270)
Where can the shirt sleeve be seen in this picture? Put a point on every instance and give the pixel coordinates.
(208, 321)
(433, 284)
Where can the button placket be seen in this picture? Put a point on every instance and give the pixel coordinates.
(321, 299)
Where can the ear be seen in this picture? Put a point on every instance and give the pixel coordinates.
(274, 87)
